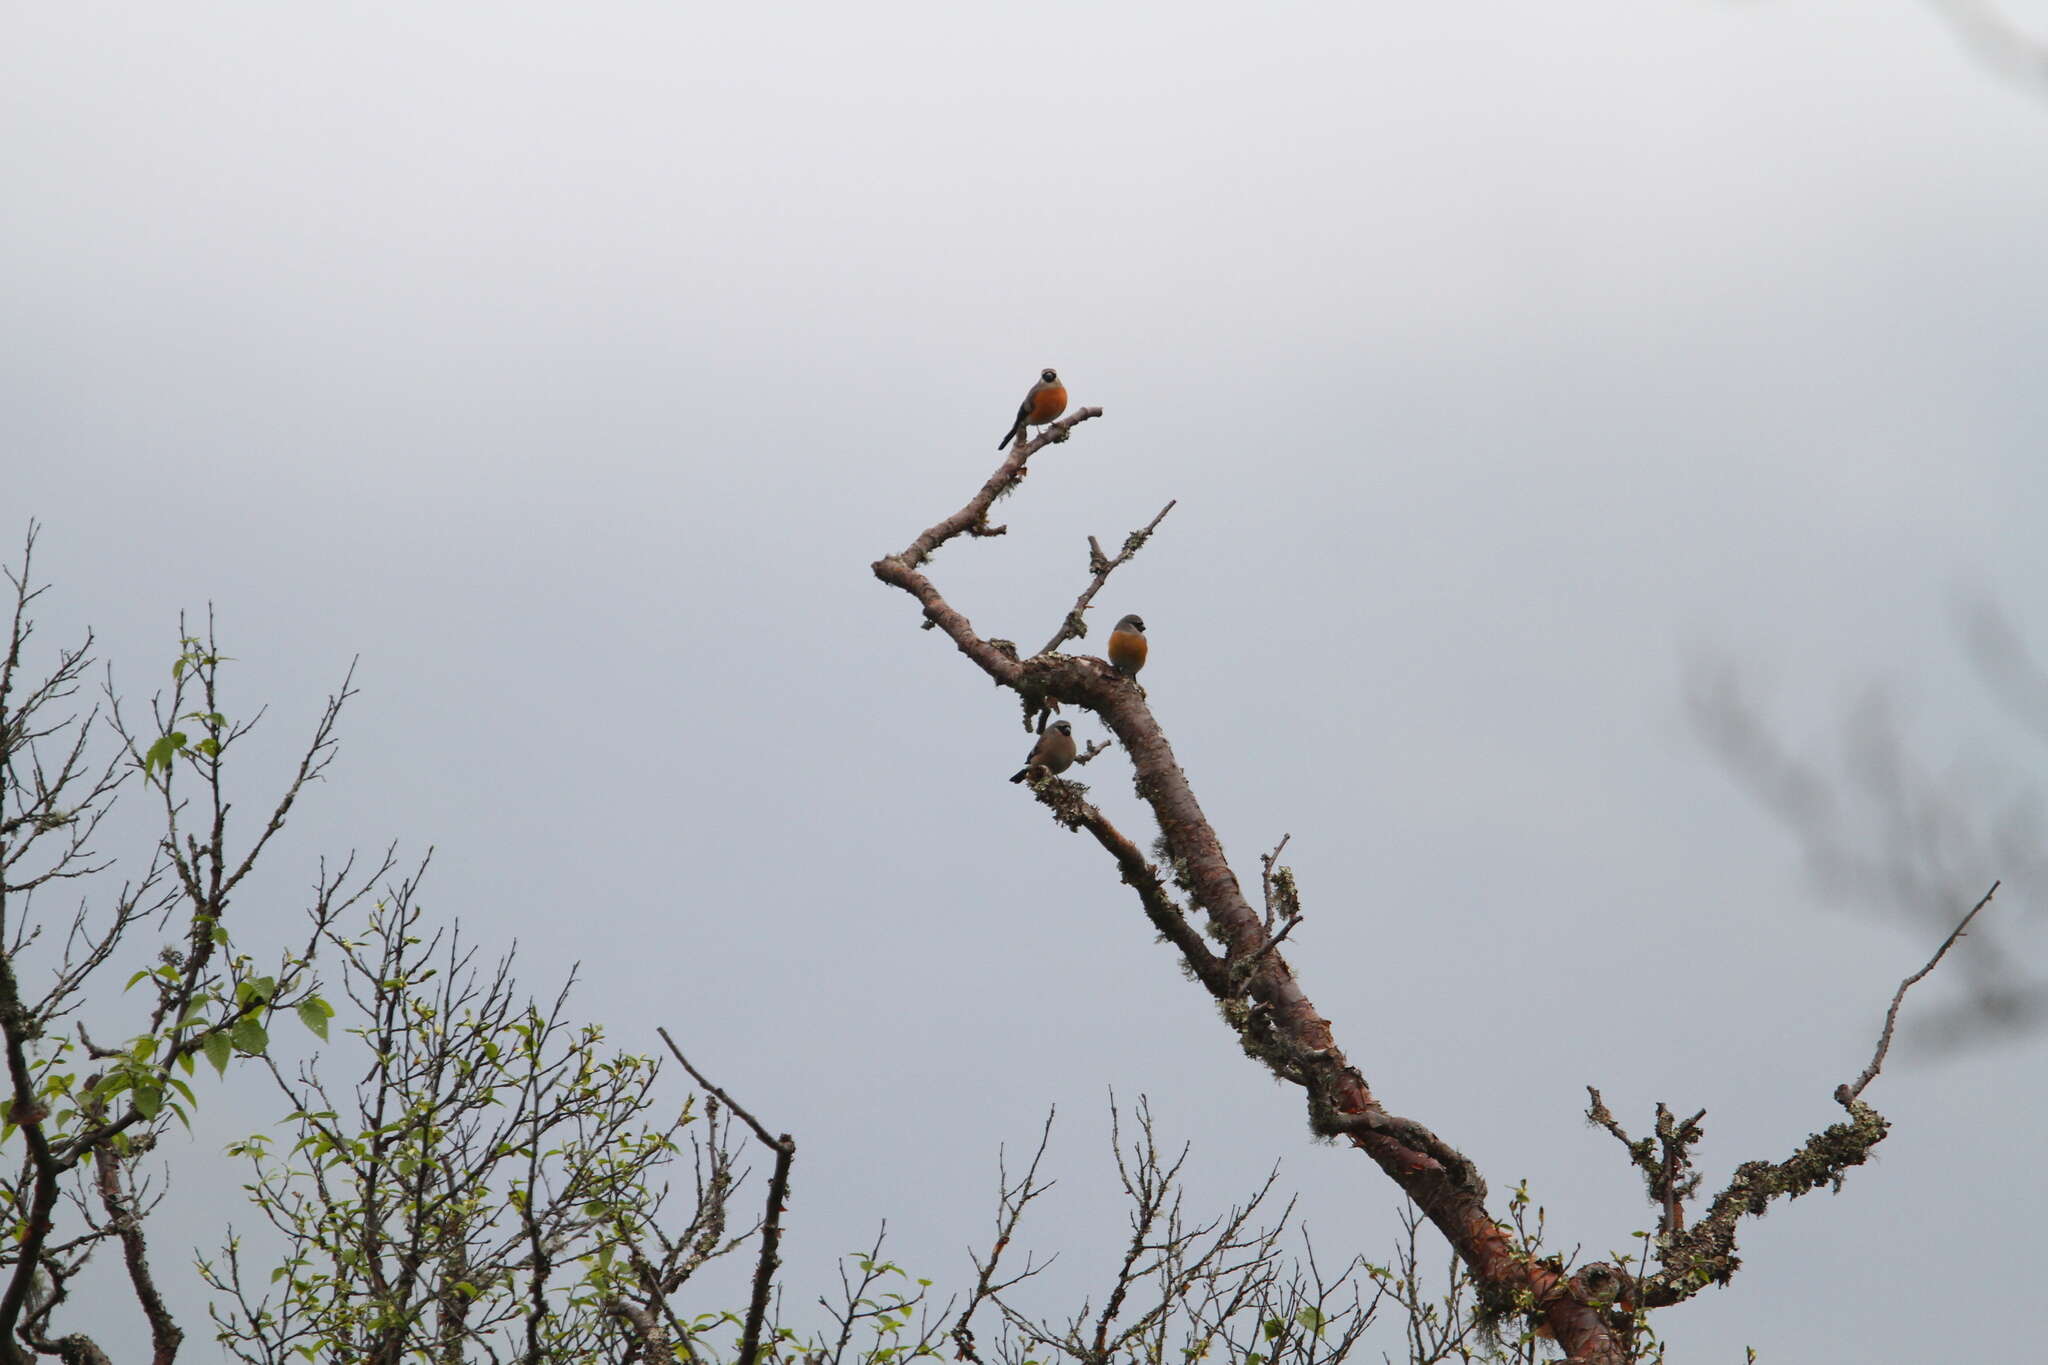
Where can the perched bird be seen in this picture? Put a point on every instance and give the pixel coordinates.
(1127, 645)
(1046, 401)
(1054, 751)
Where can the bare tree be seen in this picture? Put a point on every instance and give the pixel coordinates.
(1596, 1311)
(1222, 1287)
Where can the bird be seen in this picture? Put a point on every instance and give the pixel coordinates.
(1047, 400)
(1127, 645)
(1054, 751)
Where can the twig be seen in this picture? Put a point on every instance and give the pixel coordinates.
(1673, 1181)
(1283, 906)
(1075, 626)
(784, 1147)
(1266, 863)
(1274, 942)
(1846, 1093)
(1598, 1112)
(1667, 1176)
(1011, 1201)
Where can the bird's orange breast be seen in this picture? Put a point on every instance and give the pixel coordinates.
(1126, 651)
(1047, 404)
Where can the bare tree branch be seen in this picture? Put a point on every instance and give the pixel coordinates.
(1846, 1093)
(784, 1147)
(1665, 1171)
(1011, 1201)
(1076, 625)
(1184, 1289)
(1263, 1000)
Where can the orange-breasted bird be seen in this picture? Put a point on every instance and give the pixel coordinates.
(1054, 751)
(1046, 401)
(1127, 646)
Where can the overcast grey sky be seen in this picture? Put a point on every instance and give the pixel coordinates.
(571, 363)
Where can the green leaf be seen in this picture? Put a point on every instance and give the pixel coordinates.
(248, 1035)
(1274, 1327)
(208, 746)
(163, 751)
(1311, 1319)
(314, 1014)
(148, 1100)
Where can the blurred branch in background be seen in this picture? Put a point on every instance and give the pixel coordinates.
(2009, 669)
(1997, 41)
(1885, 831)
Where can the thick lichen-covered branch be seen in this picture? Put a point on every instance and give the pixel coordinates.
(1691, 1258)
(1705, 1253)
(1256, 987)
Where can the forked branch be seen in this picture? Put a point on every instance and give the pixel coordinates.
(1076, 626)
(1274, 1019)
(1705, 1252)
(1277, 1024)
